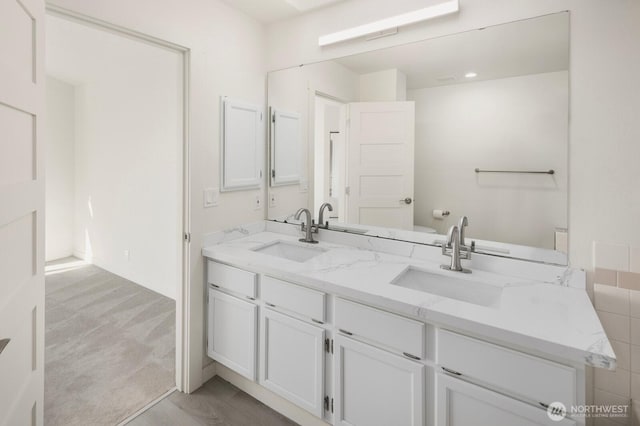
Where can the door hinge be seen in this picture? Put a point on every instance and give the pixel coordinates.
(332, 405)
(187, 237)
(347, 190)
(328, 345)
(273, 173)
(326, 403)
(273, 118)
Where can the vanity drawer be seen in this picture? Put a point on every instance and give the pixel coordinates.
(232, 279)
(391, 330)
(294, 298)
(524, 375)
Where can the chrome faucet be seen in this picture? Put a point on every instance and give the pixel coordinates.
(321, 222)
(453, 248)
(308, 229)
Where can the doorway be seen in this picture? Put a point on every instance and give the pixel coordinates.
(117, 210)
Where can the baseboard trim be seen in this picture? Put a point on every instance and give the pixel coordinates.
(268, 398)
(208, 372)
(146, 407)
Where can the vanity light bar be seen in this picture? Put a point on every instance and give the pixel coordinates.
(446, 8)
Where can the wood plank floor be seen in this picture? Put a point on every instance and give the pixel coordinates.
(216, 403)
(109, 345)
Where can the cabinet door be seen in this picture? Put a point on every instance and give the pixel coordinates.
(232, 333)
(292, 360)
(464, 404)
(374, 387)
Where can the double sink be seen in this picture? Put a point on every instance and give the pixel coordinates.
(452, 285)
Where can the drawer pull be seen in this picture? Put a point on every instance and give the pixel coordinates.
(3, 344)
(408, 355)
(348, 333)
(250, 298)
(216, 286)
(554, 410)
(270, 304)
(455, 373)
(316, 321)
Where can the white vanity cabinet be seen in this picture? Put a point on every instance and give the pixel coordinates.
(292, 360)
(515, 386)
(376, 388)
(460, 403)
(380, 380)
(232, 332)
(351, 364)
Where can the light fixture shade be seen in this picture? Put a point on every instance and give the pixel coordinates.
(446, 8)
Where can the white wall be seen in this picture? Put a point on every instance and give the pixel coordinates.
(227, 55)
(518, 123)
(60, 171)
(383, 86)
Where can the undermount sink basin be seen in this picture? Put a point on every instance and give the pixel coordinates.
(290, 251)
(448, 285)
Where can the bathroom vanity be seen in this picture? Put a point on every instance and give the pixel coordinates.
(358, 330)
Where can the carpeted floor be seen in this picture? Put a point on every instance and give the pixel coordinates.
(109, 346)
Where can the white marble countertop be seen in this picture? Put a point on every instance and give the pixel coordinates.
(538, 309)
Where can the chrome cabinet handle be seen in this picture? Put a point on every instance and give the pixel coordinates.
(3, 344)
(455, 373)
(407, 200)
(408, 355)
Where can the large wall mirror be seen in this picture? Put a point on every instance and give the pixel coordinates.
(404, 141)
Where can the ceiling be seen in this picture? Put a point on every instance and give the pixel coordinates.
(274, 10)
(531, 46)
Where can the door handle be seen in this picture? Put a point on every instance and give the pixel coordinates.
(3, 344)
(407, 200)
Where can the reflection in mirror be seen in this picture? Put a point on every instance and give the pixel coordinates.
(404, 141)
(285, 144)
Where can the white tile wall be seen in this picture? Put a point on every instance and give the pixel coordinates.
(611, 299)
(616, 326)
(616, 294)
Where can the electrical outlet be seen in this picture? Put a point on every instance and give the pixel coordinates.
(272, 200)
(211, 197)
(257, 204)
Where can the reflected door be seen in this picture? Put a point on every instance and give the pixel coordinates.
(381, 139)
(21, 212)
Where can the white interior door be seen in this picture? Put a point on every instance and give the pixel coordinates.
(21, 212)
(381, 138)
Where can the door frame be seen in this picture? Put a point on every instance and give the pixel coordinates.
(312, 93)
(184, 200)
